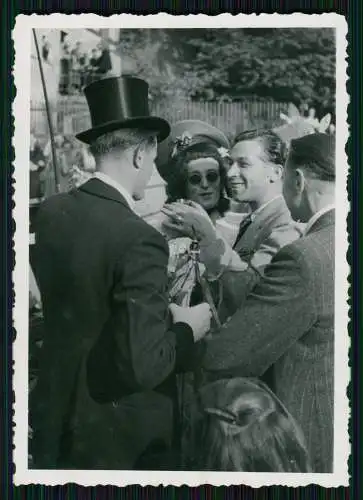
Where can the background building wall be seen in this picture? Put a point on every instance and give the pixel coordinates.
(88, 38)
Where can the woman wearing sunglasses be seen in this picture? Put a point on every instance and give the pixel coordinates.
(199, 176)
(192, 163)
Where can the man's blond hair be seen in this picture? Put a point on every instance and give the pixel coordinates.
(122, 139)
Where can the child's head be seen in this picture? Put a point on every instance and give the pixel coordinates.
(246, 428)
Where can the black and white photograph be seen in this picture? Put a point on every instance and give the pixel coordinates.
(180, 302)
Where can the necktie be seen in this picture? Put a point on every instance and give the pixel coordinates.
(243, 228)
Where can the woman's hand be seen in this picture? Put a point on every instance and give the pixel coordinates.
(187, 218)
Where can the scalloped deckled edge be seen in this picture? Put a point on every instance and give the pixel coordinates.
(21, 112)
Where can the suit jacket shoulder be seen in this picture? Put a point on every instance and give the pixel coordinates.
(99, 212)
(316, 246)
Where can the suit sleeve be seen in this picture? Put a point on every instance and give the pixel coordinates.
(278, 238)
(237, 279)
(279, 310)
(155, 347)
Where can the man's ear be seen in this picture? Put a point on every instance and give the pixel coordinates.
(279, 171)
(300, 180)
(138, 158)
(276, 174)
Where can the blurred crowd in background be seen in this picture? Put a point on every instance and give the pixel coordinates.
(78, 67)
(74, 165)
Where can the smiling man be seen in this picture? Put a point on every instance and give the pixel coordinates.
(255, 177)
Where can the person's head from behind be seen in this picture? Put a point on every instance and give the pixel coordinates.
(245, 428)
(198, 174)
(127, 156)
(309, 175)
(256, 172)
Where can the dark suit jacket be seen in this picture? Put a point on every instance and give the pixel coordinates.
(109, 353)
(271, 229)
(285, 331)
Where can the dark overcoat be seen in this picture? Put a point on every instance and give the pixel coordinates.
(284, 332)
(107, 376)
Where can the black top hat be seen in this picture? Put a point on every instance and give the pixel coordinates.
(120, 102)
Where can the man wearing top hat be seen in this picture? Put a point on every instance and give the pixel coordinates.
(106, 387)
(284, 330)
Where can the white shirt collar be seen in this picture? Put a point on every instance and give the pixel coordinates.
(116, 185)
(317, 216)
(262, 207)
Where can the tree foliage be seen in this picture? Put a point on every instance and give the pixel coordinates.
(289, 64)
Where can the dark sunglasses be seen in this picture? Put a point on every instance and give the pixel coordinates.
(196, 179)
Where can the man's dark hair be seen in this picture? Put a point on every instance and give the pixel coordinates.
(274, 147)
(314, 153)
(245, 427)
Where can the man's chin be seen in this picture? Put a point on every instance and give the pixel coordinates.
(239, 195)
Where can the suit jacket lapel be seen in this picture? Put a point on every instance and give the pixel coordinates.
(96, 187)
(259, 224)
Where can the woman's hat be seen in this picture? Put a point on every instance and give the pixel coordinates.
(120, 102)
(183, 135)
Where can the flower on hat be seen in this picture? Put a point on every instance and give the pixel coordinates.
(181, 142)
(223, 152)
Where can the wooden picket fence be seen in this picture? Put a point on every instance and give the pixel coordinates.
(71, 115)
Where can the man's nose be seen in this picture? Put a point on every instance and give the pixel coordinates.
(233, 171)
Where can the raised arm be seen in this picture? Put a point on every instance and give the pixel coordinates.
(280, 309)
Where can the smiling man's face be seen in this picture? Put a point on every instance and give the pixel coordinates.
(248, 177)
